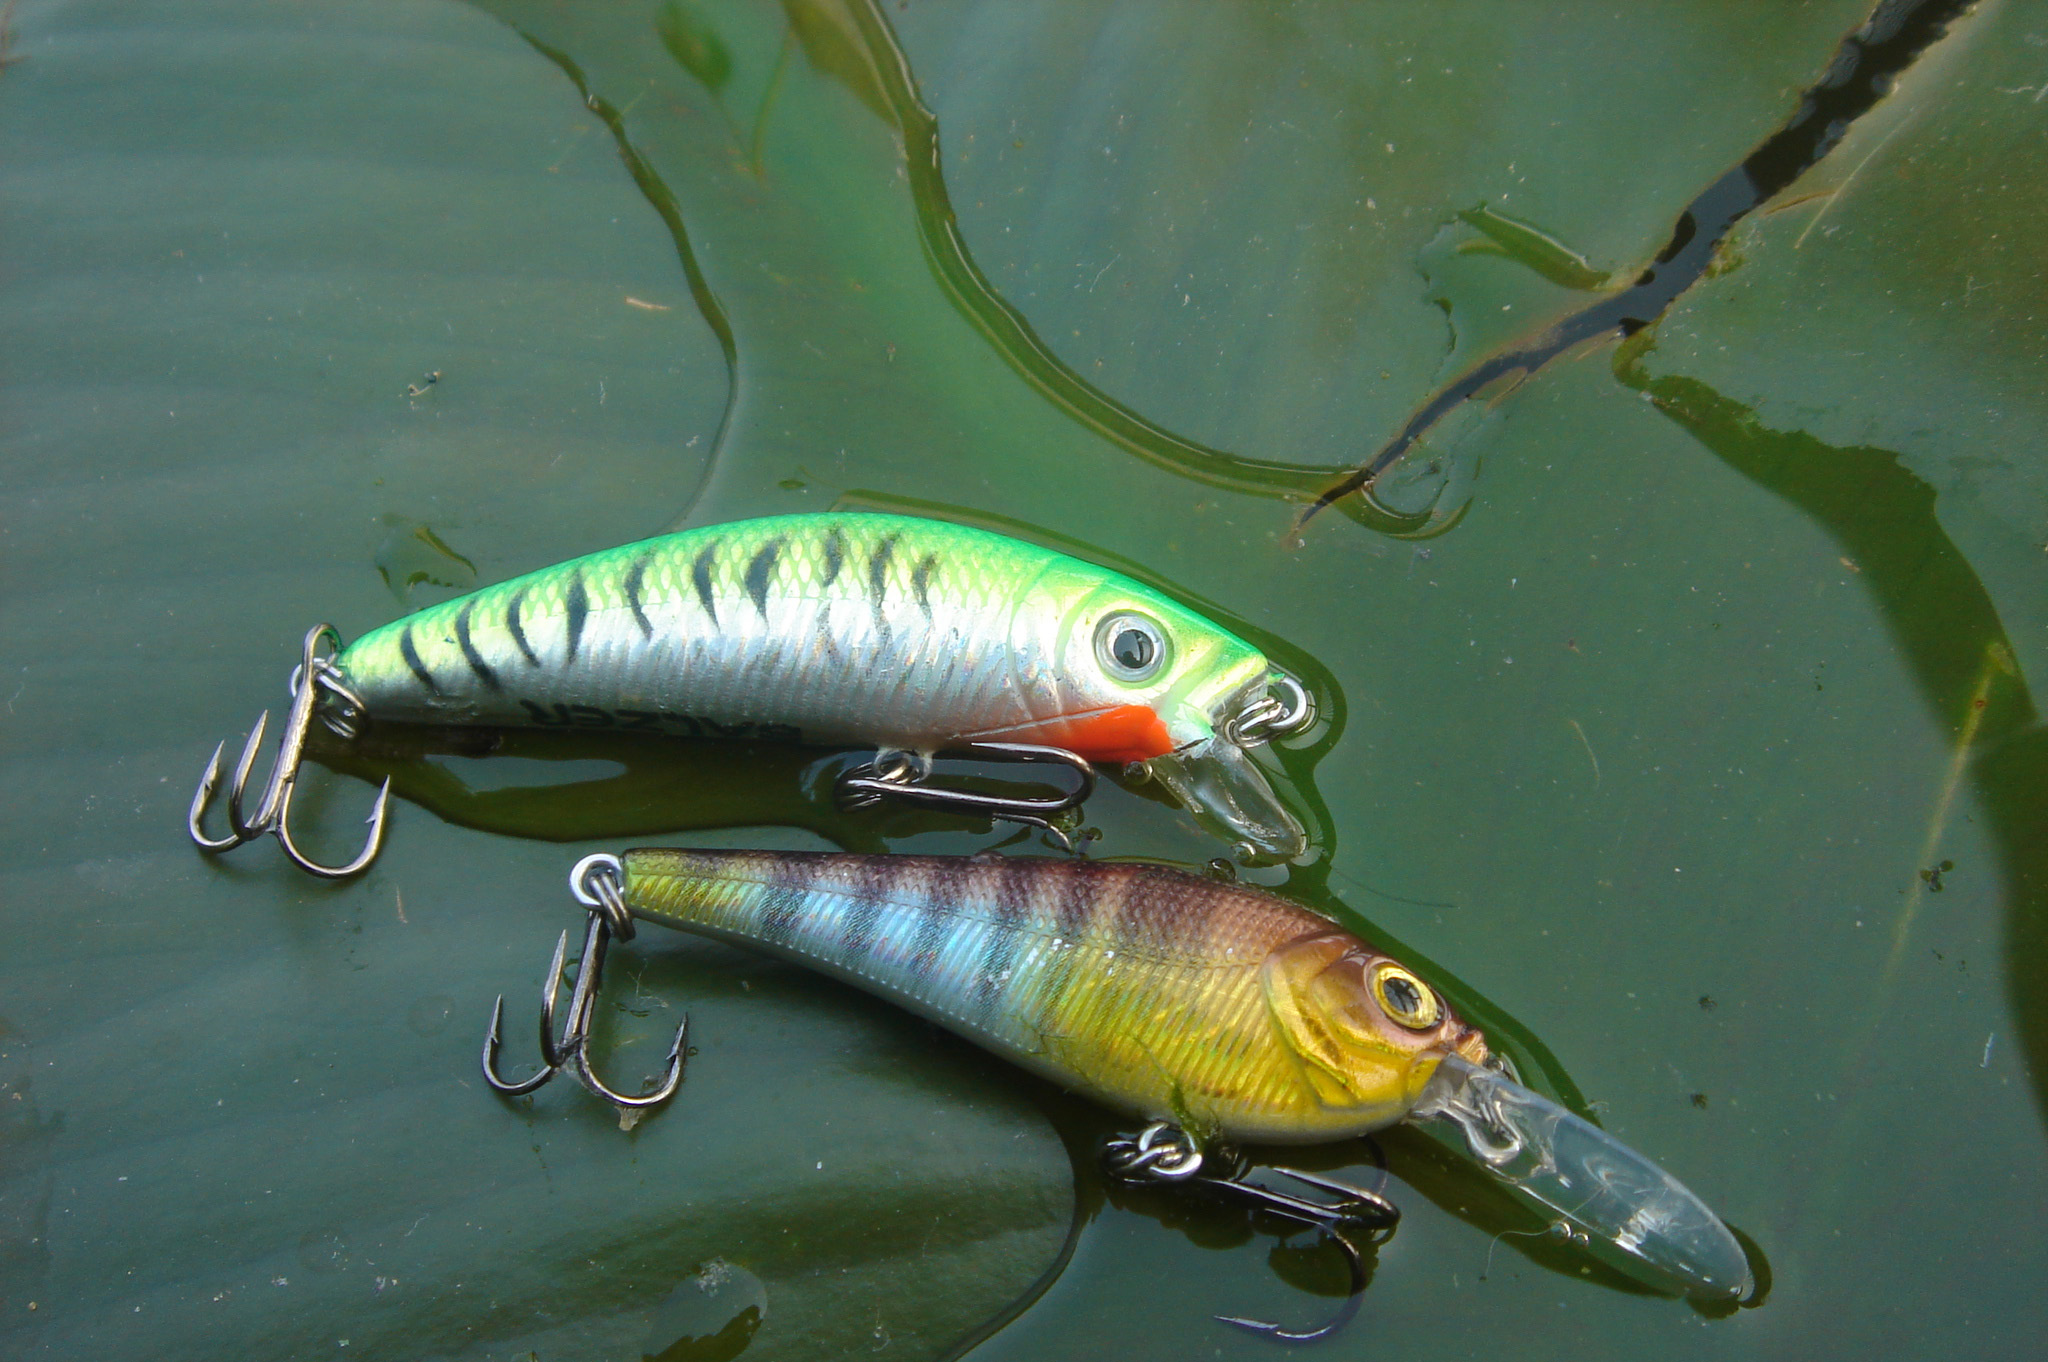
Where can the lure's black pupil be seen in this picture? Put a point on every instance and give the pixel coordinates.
(1402, 996)
(1133, 650)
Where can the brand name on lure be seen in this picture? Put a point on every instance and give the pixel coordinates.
(656, 721)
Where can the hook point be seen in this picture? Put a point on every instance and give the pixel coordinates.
(493, 1040)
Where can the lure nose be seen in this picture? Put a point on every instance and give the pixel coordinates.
(1224, 788)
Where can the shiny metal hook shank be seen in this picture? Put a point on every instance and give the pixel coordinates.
(316, 675)
(596, 882)
(1163, 1154)
(901, 776)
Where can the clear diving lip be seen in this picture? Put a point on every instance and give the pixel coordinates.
(1219, 782)
(1651, 1225)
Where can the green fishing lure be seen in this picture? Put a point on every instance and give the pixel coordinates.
(913, 636)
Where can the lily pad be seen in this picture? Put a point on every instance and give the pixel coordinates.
(1698, 759)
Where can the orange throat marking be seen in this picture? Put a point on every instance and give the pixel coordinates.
(1121, 733)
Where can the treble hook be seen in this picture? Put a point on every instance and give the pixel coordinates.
(273, 812)
(902, 776)
(596, 882)
(1162, 1153)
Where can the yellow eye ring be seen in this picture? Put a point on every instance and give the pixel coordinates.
(1405, 998)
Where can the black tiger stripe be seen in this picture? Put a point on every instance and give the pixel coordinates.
(700, 577)
(484, 671)
(761, 572)
(878, 567)
(579, 610)
(921, 581)
(411, 655)
(518, 631)
(636, 577)
(835, 553)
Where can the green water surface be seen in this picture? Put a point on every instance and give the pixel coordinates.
(1683, 732)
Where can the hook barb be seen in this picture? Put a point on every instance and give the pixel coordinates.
(664, 1088)
(550, 1059)
(202, 799)
(241, 827)
(371, 846)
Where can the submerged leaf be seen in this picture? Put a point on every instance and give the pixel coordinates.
(833, 43)
(694, 43)
(1526, 245)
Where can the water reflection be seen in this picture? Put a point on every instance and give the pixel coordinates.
(663, 201)
(412, 555)
(853, 44)
(711, 1316)
(1011, 335)
(648, 787)
(1947, 629)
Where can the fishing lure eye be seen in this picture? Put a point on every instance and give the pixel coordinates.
(1131, 647)
(1405, 998)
